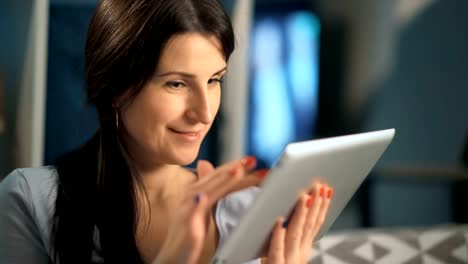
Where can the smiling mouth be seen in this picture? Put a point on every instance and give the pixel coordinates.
(186, 132)
(190, 136)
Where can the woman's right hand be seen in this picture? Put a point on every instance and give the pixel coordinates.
(189, 225)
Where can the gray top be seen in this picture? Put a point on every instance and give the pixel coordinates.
(27, 205)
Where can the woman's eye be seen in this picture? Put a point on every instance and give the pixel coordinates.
(215, 80)
(175, 85)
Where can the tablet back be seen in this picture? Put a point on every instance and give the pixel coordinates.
(342, 162)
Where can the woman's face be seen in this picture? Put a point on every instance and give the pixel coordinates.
(169, 118)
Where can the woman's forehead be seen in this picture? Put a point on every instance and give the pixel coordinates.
(192, 52)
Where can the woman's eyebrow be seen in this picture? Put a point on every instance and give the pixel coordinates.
(186, 74)
(220, 71)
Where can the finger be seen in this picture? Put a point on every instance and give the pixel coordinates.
(276, 250)
(216, 172)
(219, 184)
(247, 164)
(198, 216)
(326, 195)
(295, 228)
(229, 178)
(314, 205)
(198, 227)
(204, 168)
(233, 180)
(244, 180)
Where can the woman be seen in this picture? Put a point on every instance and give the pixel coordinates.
(153, 72)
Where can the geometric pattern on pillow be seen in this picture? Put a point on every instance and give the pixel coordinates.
(438, 245)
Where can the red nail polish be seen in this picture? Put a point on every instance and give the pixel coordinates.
(262, 173)
(322, 191)
(310, 201)
(250, 162)
(330, 193)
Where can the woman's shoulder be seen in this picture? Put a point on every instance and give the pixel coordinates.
(35, 187)
(30, 181)
(29, 195)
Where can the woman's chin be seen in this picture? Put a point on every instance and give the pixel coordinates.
(185, 163)
(184, 160)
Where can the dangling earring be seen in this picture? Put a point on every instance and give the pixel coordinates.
(117, 119)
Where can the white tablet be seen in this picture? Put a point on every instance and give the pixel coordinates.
(342, 162)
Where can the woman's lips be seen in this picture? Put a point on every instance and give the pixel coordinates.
(189, 136)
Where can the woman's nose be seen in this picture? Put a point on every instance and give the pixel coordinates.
(200, 109)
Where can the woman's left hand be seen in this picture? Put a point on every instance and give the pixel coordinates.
(291, 241)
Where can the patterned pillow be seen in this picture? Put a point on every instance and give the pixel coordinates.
(436, 245)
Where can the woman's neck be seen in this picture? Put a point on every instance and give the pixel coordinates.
(165, 182)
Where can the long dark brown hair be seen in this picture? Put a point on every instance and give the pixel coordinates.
(96, 189)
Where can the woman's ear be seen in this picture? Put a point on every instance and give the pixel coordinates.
(117, 102)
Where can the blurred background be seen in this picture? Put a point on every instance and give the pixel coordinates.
(303, 69)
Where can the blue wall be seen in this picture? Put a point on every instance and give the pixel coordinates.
(14, 25)
(69, 121)
(426, 99)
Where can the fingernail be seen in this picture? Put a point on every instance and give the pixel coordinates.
(322, 191)
(330, 193)
(197, 198)
(262, 173)
(249, 162)
(285, 224)
(233, 171)
(310, 201)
